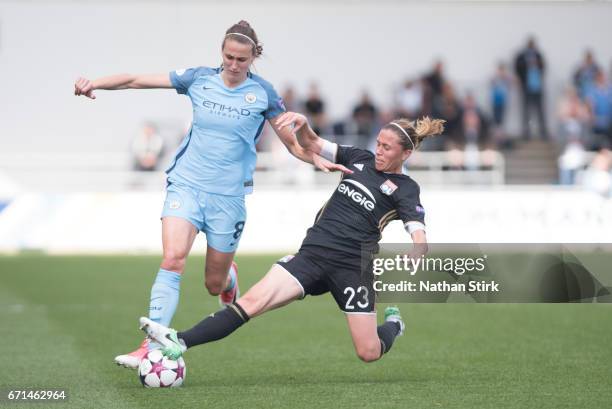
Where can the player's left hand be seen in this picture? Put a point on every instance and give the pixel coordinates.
(291, 119)
(327, 166)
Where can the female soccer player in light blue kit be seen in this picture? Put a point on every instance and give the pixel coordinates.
(212, 169)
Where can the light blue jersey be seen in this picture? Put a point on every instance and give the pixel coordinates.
(218, 153)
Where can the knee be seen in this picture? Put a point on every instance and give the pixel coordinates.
(174, 260)
(214, 284)
(368, 352)
(252, 305)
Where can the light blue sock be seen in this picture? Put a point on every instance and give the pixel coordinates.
(164, 296)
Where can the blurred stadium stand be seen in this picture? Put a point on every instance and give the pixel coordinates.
(533, 163)
(86, 172)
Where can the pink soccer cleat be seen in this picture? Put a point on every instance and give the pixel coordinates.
(228, 297)
(132, 360)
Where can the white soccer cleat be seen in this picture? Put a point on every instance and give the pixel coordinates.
(132, 360)
(164, 336)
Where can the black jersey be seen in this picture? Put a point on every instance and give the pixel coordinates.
(362, 205)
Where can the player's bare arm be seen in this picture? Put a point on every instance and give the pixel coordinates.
(299, 125)
(297, 149)
(86, 87)
(419, 244)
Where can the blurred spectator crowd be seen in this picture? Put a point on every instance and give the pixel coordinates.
(585, 126)
(584, 114)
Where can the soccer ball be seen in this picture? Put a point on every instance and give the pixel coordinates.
(159, 371)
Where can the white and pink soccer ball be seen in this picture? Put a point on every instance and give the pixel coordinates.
(159, 371)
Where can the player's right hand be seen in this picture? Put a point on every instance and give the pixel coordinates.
(326, 166)
(83, 86)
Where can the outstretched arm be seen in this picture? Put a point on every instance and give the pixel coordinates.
(83, 86)
(306, 137)
(299, 148)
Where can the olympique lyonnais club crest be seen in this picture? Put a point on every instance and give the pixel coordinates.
(388, 187)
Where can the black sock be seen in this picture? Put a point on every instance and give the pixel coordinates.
(216, 326)
(387, 333)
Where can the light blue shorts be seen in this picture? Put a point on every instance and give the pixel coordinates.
(220, 217)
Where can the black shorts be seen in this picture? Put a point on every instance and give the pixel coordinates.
(319, 270)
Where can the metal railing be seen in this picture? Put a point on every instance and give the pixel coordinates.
(111, 171)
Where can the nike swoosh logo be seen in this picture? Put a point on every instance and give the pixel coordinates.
(205, 88)
(170, 339)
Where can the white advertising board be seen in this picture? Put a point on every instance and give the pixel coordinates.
(278, 219)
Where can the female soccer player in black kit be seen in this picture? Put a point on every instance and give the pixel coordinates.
(336, 254)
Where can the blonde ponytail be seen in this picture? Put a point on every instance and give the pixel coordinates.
(412, 133)
(426, 127)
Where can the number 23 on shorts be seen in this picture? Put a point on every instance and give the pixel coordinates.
(357, 297)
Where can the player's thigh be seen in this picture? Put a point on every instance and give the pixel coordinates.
(276, 289)
(181, 220)
(178, 235)
(224, 221)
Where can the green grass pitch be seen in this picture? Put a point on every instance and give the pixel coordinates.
(63, 319)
